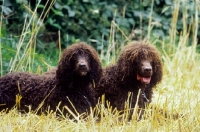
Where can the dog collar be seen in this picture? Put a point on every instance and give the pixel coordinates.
(144, 96)
(87, 100)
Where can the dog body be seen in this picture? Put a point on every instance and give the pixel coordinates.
(71, 84)
(29, 86)
(137, 70)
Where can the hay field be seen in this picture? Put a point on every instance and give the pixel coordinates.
(178, 95)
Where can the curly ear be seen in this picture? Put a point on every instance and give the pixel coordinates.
(157, 65)
(157, 72)
(96, 69)
(125, 63)
(64, 74)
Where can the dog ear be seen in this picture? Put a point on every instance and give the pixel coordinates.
(157, 72)
(96, 69)
(64, 74)
(126, 64)
(154, 54)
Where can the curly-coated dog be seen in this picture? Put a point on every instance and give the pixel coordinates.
(71, 84)
(138, 68)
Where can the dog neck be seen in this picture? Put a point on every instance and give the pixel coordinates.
(80, 82)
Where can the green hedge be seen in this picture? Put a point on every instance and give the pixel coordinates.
(90, 20)
(97, 22)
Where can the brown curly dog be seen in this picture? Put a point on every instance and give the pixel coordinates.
(138, 68)
(78, 71)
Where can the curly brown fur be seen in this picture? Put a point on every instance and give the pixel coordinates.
(32, 87)
(78, 71)
(139, 67)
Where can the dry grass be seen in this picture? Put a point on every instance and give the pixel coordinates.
(177, 95)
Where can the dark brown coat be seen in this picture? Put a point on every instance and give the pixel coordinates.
(57, 87)
(138, 67)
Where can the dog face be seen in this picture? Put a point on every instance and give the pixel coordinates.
(144, 71)
(80, 64)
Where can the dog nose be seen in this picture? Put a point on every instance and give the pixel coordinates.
(147, 69)
(82, 64)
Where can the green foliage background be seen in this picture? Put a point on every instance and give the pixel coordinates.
(91, 21)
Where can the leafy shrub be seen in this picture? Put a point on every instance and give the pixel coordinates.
(96, 22)
(89, 20)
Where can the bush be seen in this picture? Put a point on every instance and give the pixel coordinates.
(99, 23)
(91, 20)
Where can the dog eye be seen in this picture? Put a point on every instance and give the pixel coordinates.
(136, 62)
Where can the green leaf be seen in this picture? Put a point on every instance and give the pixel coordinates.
(71, 13)
(57, 12)
(58, 6)
(6, 10)
(131, 21)
(85, 0)
(7, 3)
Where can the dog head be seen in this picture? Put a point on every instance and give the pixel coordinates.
(141, 63)
(78, 61)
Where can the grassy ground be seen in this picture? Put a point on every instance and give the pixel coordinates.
(177, 94)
